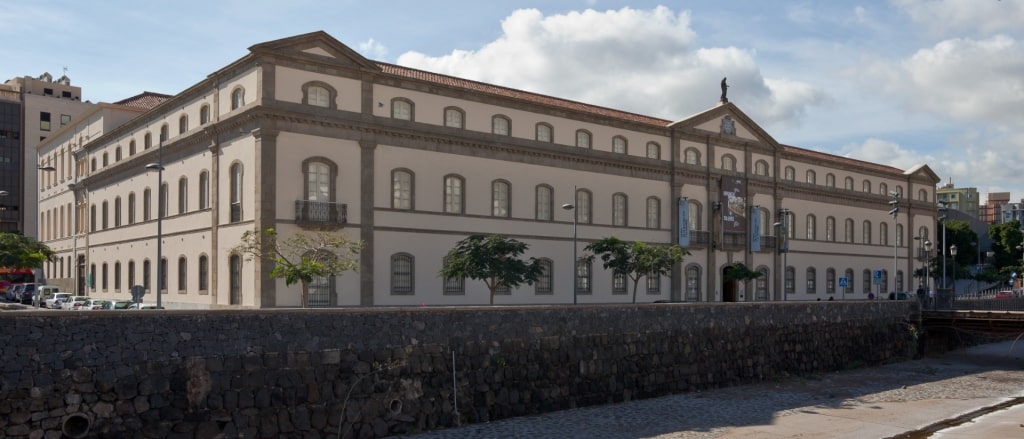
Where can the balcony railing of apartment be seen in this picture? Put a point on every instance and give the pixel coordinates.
(320, 213)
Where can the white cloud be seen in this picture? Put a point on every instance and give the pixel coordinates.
(885, 152)
(373, 49)
(948, 16)
(645, 61)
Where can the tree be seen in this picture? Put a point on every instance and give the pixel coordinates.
(20, 251)
(303, 256)
(637, 259)
(740, 272)
(494, 259)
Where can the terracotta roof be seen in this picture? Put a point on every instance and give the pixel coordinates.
(840, 159)
(519, 94)
(145, 100)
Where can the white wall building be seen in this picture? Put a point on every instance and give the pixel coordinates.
(303, 133)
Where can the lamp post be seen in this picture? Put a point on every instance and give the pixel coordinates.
(927, 279)
(572, 208)
(159, 168)
(942, 219)
(784, 249)
(895, 203)
(952, 252)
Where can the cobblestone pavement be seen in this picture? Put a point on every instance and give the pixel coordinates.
(872, 402)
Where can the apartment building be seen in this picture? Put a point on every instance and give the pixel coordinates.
(305, 134)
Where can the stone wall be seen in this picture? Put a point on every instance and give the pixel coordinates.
(377, 372)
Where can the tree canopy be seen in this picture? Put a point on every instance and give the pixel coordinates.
(494, 259)
(636, 259)
(20, 251)
(303, 256)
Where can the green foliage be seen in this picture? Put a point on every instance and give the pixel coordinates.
(494, 259)
(302, 256)
(637, 259)
(740, 272)
(20, 251)
(1005, 239)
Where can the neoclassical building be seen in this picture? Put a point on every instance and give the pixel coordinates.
(305, 134)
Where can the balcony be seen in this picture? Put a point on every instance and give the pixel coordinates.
(320, 214)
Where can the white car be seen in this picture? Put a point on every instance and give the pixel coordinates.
(73, 303)
(96, 304)
(56, 300)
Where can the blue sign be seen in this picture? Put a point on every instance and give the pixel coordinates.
(844, 281)
(877, 276)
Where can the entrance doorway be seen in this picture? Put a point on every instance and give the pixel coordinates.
(730, 289)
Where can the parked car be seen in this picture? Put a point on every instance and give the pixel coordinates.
(43, 293)
(122, 304)
(96, 304)
(74, 302)
(13, 292)
(1004, 295)
(56, 299)
(27, 293)
(901, 296)
(144, 306)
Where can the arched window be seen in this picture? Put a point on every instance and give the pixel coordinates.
(320, 174)
(865, 281)
(811, 177)
(117, 211)
(848, 183)
(653, 150)
(728, 162)
(812, 282)
(453, 285)
(761, 168)
(402, 109)
(402, 281)
(620, 203)
(183, 124)
(500, 204)
(830, 229)
(182, 275)
(319, 94)
(865, 232)
(237, 98)
(899, 236)
(584, 214)
(454, 117)
(830, 281)
(104, 215)
(545, 133)
(103, 277)
(162, 276)
(849, 281)
(811, 235)
(584, 273)
(790, 173)
(131, 272)
(883, 233)
(402, 189)
(501, 125)
(619, 145)
(544, 203)
(204, 274)
(204, 114)
(236, 192)
(691, 156)
(883, 189)
(165, 133)
(866, 186)
(830, 180)
(105, 160)
(117, 276)
(204, 190)
(885, 281)
(692, 283)
(320, 291)
(117, 154)
(147, 275)
(546, 281)
(147, 141)
(583, 139)
(454, 195)
(653, 213)
(182, 195)
(694, 215)
(131, 208)
(761, 284)
(235, 279)
(163, 201)
(922, 195)
(849, 231)
(131, 147)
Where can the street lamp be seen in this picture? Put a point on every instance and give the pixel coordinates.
(159, 168)
(952, 252)
(784, 249)
(572, 208)
(927, 257)
(895, 203)
(942, 219)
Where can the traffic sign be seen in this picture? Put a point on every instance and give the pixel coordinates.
(844, 281)
(877, 276)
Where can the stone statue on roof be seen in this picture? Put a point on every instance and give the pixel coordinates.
(725, 88)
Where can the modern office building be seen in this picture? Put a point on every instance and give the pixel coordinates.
(963, 199)
(31, 108)
(992, 211)
(304, 134)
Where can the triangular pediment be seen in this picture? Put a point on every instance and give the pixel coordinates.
(925, 173)
(319, 45)
(726, 120)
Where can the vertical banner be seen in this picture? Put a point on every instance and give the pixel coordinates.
(755, 229)
(684, 222)
(734, 205)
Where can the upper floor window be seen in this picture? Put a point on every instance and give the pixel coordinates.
(117, 212)
(583, 139)
(147, 205)
(500, 198)
(653, 213)
(164, 133)
(728, 162)
(454, 196)
(849, 230)
(117, 154)
(848, 183)
(761, 168)
(883, 189)
(319, 175)
(401, 108)
(44, 121)
(204, 190)
(899, 235)
(830, 229)
(619, 144)
(694, 217)
(204, 114)
(131, 147)
(883, 233)
(545, 203)
(922, 195)
(830, 180)
(131, 208)
(147, 141)
(545, 133)
(583, 206)
(453, 117)
(501, 125)
(653, 150)
(236, 192)
(183, 195)
(811, 177)
(810, 227)
(866, 186)
(790, 173)
(619, 209)
(237, 98)
(865, 233)
(318, 94)
(183, 124)
(401, 189)
(105, 162)
(691, 156)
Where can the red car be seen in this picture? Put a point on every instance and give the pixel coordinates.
(1004, 295)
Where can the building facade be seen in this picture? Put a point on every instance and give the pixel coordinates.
(305, 134)
(963, 199)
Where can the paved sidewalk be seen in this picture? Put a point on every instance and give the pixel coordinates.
(878, 402)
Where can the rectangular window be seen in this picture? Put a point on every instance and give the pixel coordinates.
(619, 283)
(453, 195)
(583, 273)
(545, 282)
(44, 121)
(65, 119)
(544, 203)
(204, 273)
(653, 284)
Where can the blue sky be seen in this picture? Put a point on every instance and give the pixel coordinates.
(900, 82)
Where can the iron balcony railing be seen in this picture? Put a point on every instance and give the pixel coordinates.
(320, 212)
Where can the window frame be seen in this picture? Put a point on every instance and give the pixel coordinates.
(454, 203)
(620, 210)
(331, 175)
(504, 119)
(584, 139)
(501, 203)
(398, 105)
(654, 147)
(308, 98)
(237, 98)
(402, 283)
(400, 189)
(544, 127)
(541, 205)
(584, 206)
(620, 145)
(653, 208)
(449, 119)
